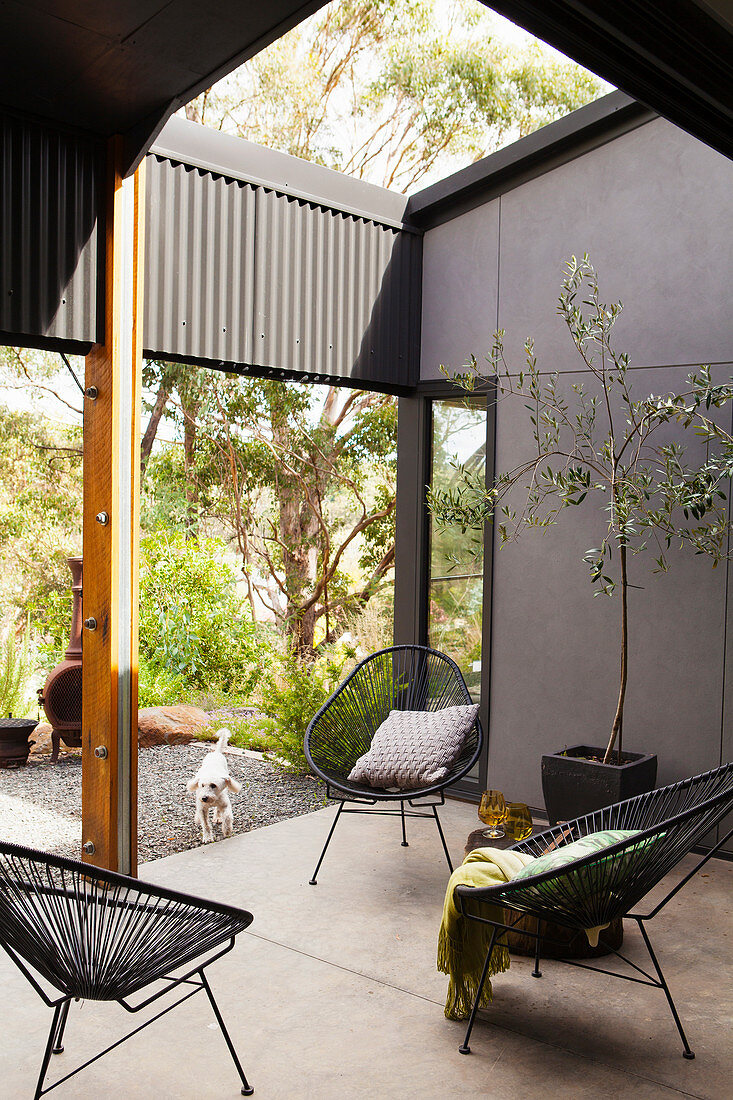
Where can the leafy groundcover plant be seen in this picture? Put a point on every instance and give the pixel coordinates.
(603, 442)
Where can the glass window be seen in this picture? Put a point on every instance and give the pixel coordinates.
(456, 581)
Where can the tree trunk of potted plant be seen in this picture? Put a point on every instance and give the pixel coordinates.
(618, 720)
(584, 778)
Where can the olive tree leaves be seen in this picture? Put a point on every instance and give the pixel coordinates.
(602, 443)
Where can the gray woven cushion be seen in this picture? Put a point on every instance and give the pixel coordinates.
(414, 748)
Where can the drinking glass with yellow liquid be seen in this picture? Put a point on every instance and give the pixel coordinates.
(518, 820)
(492, 811)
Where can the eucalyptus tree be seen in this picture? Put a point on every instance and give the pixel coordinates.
(393, 91)
(386, 90)
(602, 444)
(40, 508)
(301, 480)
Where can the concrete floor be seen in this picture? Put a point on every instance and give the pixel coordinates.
(334, 992)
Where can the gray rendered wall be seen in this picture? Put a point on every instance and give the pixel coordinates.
(654, 209)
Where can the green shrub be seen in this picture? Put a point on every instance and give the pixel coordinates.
(249, 733)
(159, 687)
(16, 669)
(292, 693)
(40, 507)
(50, 612)
(196, 633)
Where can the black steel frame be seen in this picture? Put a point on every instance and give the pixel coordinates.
(118, 915)
(414, 473)
(61, 1005)
(402, 813)
(403, 677)
(689, 825)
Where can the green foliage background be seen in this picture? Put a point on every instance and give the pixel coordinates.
(197, 637)
(40, 508)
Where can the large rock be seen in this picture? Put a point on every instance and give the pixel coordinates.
(43, 744)
(170, 725)
(42, 738)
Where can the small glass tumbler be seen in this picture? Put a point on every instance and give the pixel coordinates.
(518, 820)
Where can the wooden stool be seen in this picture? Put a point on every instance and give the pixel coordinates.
(568, 943)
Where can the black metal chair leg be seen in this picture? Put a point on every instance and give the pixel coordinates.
(687, 1052)
(325, 846)
(465, 1048)
(404, 833)
(247, 1089)
(49, 1046)
(537, 973)
(58, 1042)
(440, 830)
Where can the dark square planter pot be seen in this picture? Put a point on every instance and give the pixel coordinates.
(574, 787)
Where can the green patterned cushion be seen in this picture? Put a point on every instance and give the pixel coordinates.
(568, 853)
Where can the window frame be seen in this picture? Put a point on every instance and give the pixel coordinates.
(412, 556)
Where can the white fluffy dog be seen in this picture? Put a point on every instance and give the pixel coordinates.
(212, 784)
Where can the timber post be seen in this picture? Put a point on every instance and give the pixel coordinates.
(111, 523)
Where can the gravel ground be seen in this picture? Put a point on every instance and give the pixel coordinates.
(40, 805)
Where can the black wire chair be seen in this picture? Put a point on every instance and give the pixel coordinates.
(101, 936)
(403, 677)
(609, 883)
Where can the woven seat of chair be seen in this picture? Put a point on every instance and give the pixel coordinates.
(399, 678)
(97, 935)
(607, 884)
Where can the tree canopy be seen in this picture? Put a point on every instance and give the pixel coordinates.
(395, 91)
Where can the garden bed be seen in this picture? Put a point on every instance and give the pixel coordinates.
(40, 805)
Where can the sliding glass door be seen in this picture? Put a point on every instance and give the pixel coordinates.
(458, 589)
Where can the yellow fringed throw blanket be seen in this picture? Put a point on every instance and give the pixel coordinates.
(462, 943)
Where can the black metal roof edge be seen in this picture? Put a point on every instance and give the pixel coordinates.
(139, 139)
(557, 143)
(44, 343)
(50, 126)
(278, 374)
(236, 158)
(672, 55)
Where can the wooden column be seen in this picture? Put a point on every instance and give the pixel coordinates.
(111, 521)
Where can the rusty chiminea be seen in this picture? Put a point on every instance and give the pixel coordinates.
(61, 694)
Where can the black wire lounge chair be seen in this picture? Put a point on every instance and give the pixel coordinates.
(403, 677)
(611, 882)
(97, 935)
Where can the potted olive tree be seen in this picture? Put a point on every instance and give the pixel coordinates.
(602, 444)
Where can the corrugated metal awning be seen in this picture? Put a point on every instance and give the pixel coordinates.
(251, 276)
